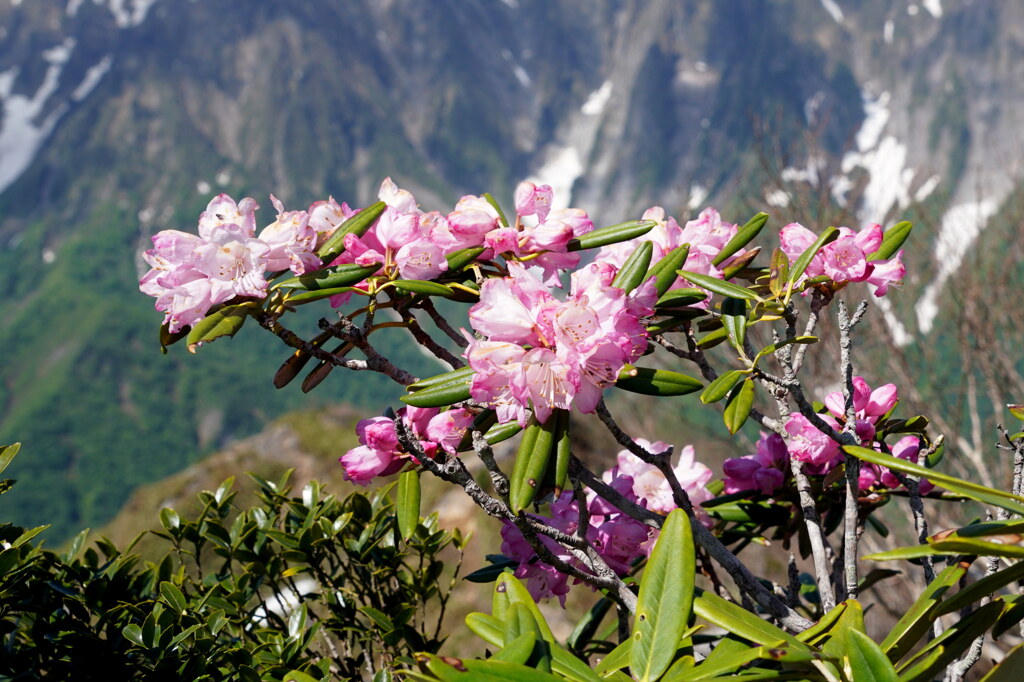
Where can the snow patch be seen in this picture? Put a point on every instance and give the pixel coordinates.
(513, 4)
(203, 187)
(698, 194)
(49, 256)
(833, 9)
(223, 178)
(961, 226)
(926, 188)
(934, 7)
(597, 100)
(60, 54)
(876, 115)
(778, 198)
(561, 171)
(92, 78)
(811, 174)
(522, 76)
(20, 133)
(127, 13)
(889, 31)
(912, 10)
(900, 335)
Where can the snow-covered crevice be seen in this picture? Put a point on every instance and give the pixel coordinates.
(961, 227)
(93, 75)
(126, 13)
(833, 10)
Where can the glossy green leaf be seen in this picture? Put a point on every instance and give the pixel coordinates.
(975, 491)
(719, 286)
(7, 453)
(224, 322)
(169, 339)
(444, 378)
(418, 286)
(563, 663)
(520, 622)
(611, 235)
(743, 236)
(172, 596)
(734, 318)
(515, 592)
(778, 272)
(665, 270)
(805, 258)
(517, 650)
(677, 298)
(659, 382)
(864, 660)
(634, 270)
(918, 618)
(737, 408)
(665, 600)
(502, 432)
(616, 659)
(977, 547)
(988, 528)
(741, 263)
(291, 367)
(982, 588)
(740, 622)
(463, 257)
(333, 277)
(357, 225)
(892, 240)
(531, 463)
(298, 676)
(309, 296)
(497, 208)
(904, 553)
(934, 656)
(720, 387)
(133, 633)
(407, 504)
(712, 668)
(563, 451)
(824, 625)
(1010, 669)
(441, 394)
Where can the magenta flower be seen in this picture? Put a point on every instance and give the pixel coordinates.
(765, 470)
(807, 444)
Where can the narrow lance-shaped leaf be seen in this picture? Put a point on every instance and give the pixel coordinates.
(357, 225)
(440, 394)
(734, 318)
(719, 286)
(531, 463)
(563, 450)
(333, 277)
(634, 270)
(797, 271)
(664, 271)
(743, 236)
(740, 622)
(737, 409)
(778, 272)
(659, 382)
(720, 387)
(463, 257)
(918, 618)
(975, 491)
(225, 322)
(7, 453)
(611, 235)
(408, 503)
(666, 599)
(514, 591)
(892, 240)
(426, 288)
(677, 298)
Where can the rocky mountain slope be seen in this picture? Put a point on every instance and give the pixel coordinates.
(119, 118)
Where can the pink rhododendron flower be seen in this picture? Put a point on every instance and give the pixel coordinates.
(765, 470)
(807, 444)
(845, 259)
(380, 453)
(652, 489)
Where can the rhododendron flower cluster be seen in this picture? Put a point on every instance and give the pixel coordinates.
(619, 539)
(546, 354)
(380, 453)
(845, 259)
(191, 273)
(765, 470)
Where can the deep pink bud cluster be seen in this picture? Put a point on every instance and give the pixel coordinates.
(845, 259)
(543, 353)
(765, 470)
(618, 538)
(380, 453)
(191, 273)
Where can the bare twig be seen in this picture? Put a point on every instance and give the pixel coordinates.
(850, 509)
(345, 330)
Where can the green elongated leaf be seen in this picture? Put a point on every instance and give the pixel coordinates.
(379, 618)
(671, 323)
(664, 271)
(497, 208)
(616, 659)
(799, 340)
(905, 553)
(297, 621)
(612, 234)
(357, 225)
(133, 633)
(418, 286)
(677, 298)
(563, 450)
(490, 572)
(298, 676)
(986, 528)
(740, 263)
(659, 382)
(665, 600)
(169, 339)
(740, 622)
(734, 660)
(982, 588)
(822, 628)
(7, 453)
(333, 277)
(563, 663)
(518, 650)
(520, 622)
(720, 387)
(892, 240)
(719, 286)
(864, 660)
(172, 596)
(797, 271)
(444, 378)
(743, 236)
(310, 296)
(734, 319)
(976, 547)
(531, 463)
(975, 491)
(1010, 669)
(463, 257)
(225, 322)
(713, 338)
(439, 395)
(634, 271)
(481, 422)
(491, 670)
(515, 592)
(407, 504)
(916, 621)
(737, 409)
(934, 656)
(502, 432)
(291, 367)
(778, 272)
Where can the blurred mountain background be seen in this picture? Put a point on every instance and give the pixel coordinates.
(120, 118)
